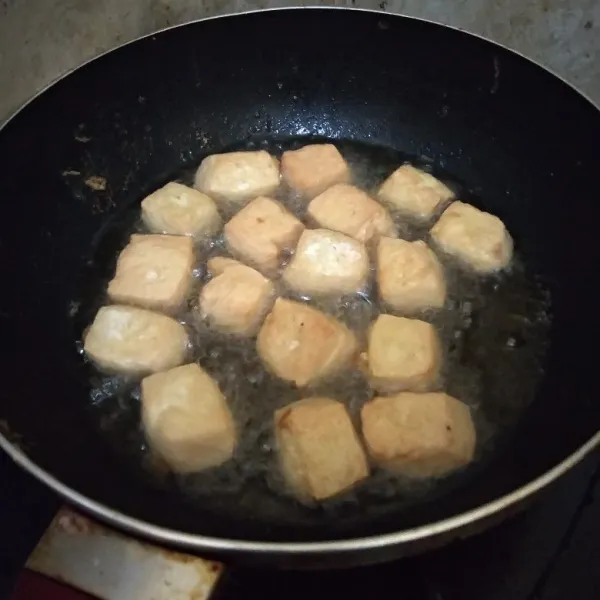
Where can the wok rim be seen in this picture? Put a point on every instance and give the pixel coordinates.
(198, 542)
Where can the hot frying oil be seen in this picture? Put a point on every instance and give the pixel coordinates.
(494, 332)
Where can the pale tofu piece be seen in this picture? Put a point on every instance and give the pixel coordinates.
(301, 344)
(402, 354)
(476, 238)
(260, 232)
(186, 419)
(352, 211)
(180, 210)
(154, 271)
(237, 300)
(419, 435)
(319, 451)
(312, 169)
(216, 265)
(410, 277)
(135, 341)
(327, 263)
(415, 193)
(237, 177)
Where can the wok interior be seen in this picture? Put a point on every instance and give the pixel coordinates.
(520, 139)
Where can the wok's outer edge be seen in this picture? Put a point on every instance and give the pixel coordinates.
(201, 543)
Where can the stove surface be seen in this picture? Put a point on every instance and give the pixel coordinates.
(550, 552)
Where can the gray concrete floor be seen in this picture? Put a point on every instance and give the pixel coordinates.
(41, 39)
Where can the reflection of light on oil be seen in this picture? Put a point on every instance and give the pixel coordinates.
(321, 127)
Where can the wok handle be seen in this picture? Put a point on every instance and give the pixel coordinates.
(112, 566)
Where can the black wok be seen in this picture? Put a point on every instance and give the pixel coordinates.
(520, 139)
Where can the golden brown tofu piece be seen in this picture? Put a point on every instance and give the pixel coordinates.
(327, 263)
(237, 177)
(301, 344)
(410, 277)
(312, 169)
(348, 209)
(476, 238)
(260, 232)
(403, 354)
(237, 300)
(319, 450)
(180, 210)
(134, 341)
(218, 264)
(415, 193)
(419, 435)
(186, 419)
(154, 271)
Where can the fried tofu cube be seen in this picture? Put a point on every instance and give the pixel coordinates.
(312, 169)
(410, 277)
(260, 232)
(154, 271)
(403, 354)
(319, 451)
(237, 177)
(180, 210)
(476, 238)
(419, 435)
(186, 419)
(348, 209)
(134, 341)
(327, 262)
(237, 300)
(415, 193)
(216, 265)
(301, 344)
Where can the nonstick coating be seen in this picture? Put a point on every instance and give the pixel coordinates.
(521, 138)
